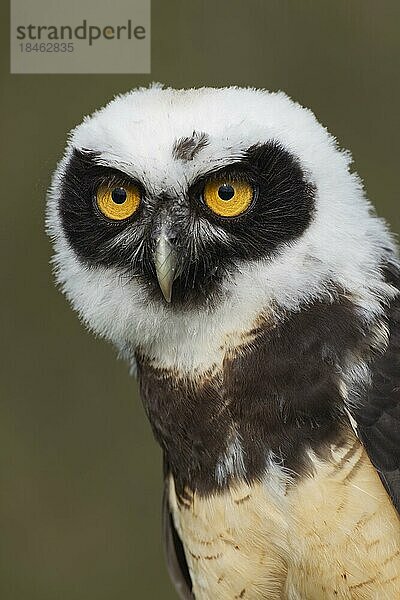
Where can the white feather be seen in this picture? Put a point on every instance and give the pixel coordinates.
(136, 132)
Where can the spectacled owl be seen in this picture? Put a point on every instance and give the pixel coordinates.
(220, 240)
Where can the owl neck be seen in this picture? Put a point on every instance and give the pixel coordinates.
(273, 400)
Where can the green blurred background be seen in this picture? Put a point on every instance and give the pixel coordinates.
(80, 473)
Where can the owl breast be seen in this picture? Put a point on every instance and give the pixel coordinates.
(271, 493)
(334, 534)
(273, 395)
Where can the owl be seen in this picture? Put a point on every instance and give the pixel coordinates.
(220, 240)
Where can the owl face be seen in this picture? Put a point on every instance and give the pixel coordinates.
(185, 214)
(180, 244)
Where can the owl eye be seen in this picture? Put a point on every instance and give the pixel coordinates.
(118, 203)
(228, 198)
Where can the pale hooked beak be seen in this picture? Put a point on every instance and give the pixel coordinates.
(165, 262)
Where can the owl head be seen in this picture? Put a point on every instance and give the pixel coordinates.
(188, 213)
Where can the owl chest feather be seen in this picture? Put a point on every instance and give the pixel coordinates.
(270, 398)
(270, 492)
(334, 534)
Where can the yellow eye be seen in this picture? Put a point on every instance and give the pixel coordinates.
(119, 202)
(228, 198)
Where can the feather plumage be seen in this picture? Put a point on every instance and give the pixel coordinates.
(283, 333)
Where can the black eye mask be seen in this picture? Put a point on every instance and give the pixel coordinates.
(279, 211)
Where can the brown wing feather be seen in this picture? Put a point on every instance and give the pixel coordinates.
(175, 555)
(378, 415)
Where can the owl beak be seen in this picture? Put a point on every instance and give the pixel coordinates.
(165, 262)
